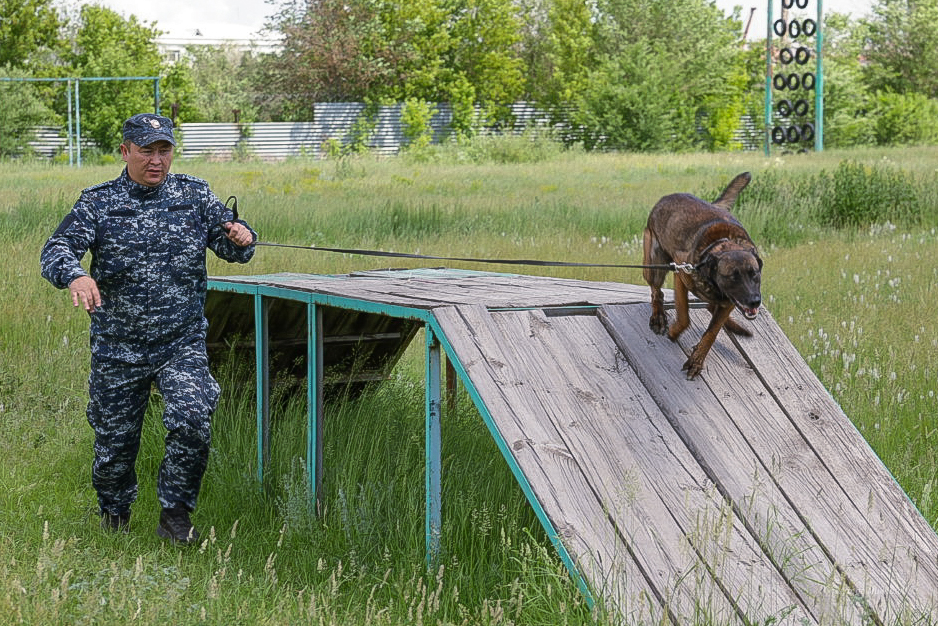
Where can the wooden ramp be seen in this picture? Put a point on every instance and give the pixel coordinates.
(743, 497)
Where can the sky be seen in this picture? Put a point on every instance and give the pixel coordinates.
(214, 19)
(243, 19)
(757, 29)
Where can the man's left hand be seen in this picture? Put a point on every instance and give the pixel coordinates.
(239, 234)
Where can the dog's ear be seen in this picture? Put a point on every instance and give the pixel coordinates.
(755, 253)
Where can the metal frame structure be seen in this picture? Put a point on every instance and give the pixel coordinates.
(818, 85)
(77, 107)
(436, 346)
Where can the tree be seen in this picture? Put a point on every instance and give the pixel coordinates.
(902, 47)
(28, 28)
(332, 50)
(22, 108)
(848, 102)
(457, 51)
(217, 85)
(108, 45)
(665, 71)
(462, 52)
(570, 50)
(486, 33)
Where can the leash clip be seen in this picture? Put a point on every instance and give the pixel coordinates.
(685, 268)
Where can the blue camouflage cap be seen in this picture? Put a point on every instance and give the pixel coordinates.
(145, 128)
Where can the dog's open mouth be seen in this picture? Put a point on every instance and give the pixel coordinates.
(749, 314)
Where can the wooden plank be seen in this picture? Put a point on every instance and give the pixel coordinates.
(494, 290)
(427, 293)
(646, 533)
(900, 548)
(658, 497)
(709, 431)
(839, 522)
(562, 490)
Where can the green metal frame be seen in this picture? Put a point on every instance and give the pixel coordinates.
(68, 94)
(436, 346)
(818, 81)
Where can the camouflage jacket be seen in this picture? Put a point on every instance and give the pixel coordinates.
(147, 256)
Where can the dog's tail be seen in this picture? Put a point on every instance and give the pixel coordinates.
(728, 197)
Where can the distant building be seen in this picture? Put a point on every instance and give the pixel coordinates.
(173, 49)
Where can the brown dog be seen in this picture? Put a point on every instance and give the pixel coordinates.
(727, 270)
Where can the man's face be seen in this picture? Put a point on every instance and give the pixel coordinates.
(148, 165)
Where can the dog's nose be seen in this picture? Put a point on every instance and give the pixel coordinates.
(755, 303)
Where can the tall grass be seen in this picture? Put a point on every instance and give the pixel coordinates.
(854, 294)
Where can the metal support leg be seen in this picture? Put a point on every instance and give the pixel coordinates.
(433, 448)
(314, 424)
(262, 354)
(450, 388)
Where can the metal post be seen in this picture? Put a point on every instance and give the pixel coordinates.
(433, 482)
(156, 95)
(768, 79)
(261, 341)
(819, 83)
(68, 97)
(314, 399)
(77, 125)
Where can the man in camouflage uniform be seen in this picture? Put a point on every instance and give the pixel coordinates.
(147, 231)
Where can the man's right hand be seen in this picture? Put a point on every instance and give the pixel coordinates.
(85, 292)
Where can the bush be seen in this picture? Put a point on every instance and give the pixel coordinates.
(905, 119)
(859, 195)
(416, 115)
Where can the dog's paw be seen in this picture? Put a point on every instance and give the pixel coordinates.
(693, 366)
(658, 323)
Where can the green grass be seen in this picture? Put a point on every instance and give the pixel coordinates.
(852, 286)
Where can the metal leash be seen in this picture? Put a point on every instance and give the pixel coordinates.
(686, 268)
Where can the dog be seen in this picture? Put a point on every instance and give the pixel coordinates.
(727, 269)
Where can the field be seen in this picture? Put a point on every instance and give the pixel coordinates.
(849, 241)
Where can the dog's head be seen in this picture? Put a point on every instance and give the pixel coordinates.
(737, 273)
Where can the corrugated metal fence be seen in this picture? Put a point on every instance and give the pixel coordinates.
(332, 122)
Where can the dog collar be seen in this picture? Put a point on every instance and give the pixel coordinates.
(706, 252)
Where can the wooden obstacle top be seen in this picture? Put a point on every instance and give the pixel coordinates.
(744, 496)
(430, 288)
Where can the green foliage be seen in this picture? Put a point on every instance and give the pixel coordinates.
(333, 50)
(784, 210)
(461, 96)
(847, 119)
(178, 90)
(363, 129)
(532, 146)
(29, 31)
(377, 51)
(21, 109)
(901, 50)
(661, 65)
(631, 104)
(485, 34)
(859, 195)
(905, 119)
(108, 45)
(415, 122)
(211, 82)
(569, 51)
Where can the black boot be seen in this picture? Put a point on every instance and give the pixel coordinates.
(175, 525)
(116, 522)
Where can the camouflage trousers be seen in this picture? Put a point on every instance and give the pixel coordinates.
(119, 393)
